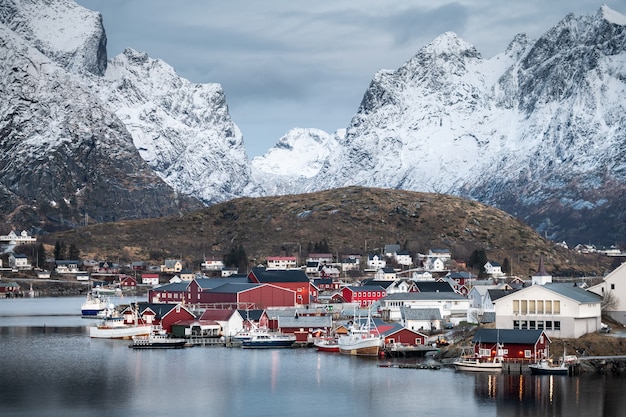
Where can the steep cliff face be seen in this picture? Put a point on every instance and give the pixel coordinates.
(65, 157)
(182, 130)
(537, 130)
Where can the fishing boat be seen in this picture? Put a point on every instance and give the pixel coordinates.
(361, 340)
(93, 306)
(245, 335)
(117, 329)
(269, 340)
(327, 344)
(545, 367)
(476, 364)
(157, 341)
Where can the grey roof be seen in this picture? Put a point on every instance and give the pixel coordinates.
(210, 283)
(574, 292)
(252, 315)
(494, 294)
(420, 314)
(384, 283)
(505, 336)
(488, 317)
(305, 321)
(273, 275)
(433, 286)
(233, 288)
(416, 296)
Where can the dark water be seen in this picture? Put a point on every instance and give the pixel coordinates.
(50, 367)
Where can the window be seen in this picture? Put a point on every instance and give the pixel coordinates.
(557, 325)
(540, 327)
(516, 324)
(531, 307)
(524, 325)
(524, 307)
(539, 306)
(548, 325)
(548, 307)
(612, 286)
(556, 307)
(531, 325)
(528, 353)
(515, 306)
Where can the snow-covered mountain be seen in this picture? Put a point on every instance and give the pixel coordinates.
(86, 139)
(537, 130)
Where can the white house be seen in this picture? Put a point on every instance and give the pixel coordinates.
(450, 304)
(376, 262)
(19, 261)
(282, 262)
(14, 239)
(561, 310)
(421, 318)
(614, 286)
(493, 268)
(422, 276)
(435, 265)
(403, 257)
(212, 264)
(386, 274)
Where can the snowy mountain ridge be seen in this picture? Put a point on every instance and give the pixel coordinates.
(536, 130)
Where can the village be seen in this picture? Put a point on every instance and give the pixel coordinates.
(414, 311)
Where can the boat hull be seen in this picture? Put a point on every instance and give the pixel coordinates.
(327, 346)
(269, 341)
(360, 347)
(118, 332)
(150, 342)
(538, 369)
(477, 366)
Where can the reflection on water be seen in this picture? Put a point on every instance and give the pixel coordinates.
(57, 369)
(552, 395)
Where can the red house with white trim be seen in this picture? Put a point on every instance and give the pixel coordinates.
(364, 295)
(515, 344)
(295, 280)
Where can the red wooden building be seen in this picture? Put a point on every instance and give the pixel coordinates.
(162, 314)
(395, 333)
(295, 280)
(515, 344)
(364, 295)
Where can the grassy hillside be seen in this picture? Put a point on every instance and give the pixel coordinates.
(350, 220)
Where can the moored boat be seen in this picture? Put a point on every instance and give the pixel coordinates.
(157, 341)
(244, 335)
(327, 344)
(269, 340)
(93, 306)
(544, 367)
(116, 329)
(361, 340)
(476, 364)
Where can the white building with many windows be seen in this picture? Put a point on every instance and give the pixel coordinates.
(561, 310)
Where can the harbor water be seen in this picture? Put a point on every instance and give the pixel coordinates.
(50, 367)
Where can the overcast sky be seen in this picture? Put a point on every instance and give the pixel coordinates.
(286, 64)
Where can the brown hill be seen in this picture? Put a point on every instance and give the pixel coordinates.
(350, 220)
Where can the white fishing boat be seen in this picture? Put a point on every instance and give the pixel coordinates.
(545, 367)
(93, 306)
(117, 329)
(477, 364)
(157, 341)
(245, 335)
(361, 340)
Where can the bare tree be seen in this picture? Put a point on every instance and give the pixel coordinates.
(610, 302)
